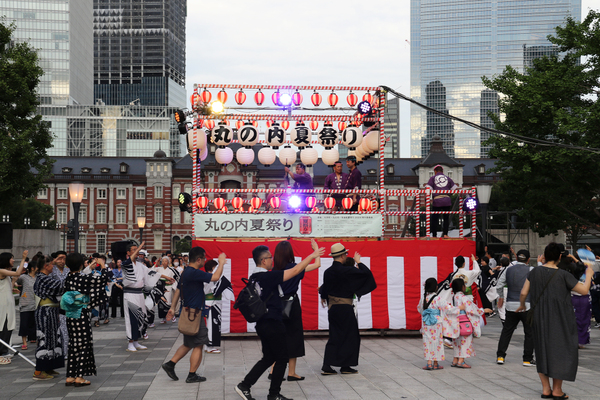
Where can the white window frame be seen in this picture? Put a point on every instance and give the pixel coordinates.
(176, 215)
(42, 193)
(121, 215)
(62, 193)
(140, 211)
(121, 193)
(187, 218)
(102, 194)
(158, 214)
(158, 192)
(61, 215)
(101, 211)
(83, 214)
(101, 243)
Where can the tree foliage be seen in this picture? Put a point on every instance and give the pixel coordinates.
(555, 188)
(36, 211)
(24, 137)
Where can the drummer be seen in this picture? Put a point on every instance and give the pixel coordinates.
(302, 180)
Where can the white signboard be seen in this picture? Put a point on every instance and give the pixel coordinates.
(287, 225)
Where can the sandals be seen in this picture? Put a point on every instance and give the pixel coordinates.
(547, 396)
(97, 323)
(428, 367)
(84, 383)
(438, 367)
(106, 321)
(462, 365)
(24, 347)
(563, 397)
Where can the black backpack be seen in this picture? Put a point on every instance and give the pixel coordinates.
(249, 302)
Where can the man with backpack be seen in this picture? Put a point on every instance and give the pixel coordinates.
(270, 327)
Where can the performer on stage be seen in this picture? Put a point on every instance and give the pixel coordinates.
(214, 293)
(337, 181)
(441, 202)
(354, 180)
(302, 180)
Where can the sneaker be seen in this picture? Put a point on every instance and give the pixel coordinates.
(448, 343)
(42, 376)
(195, 379)
(53, 373)
(164, 321)
(151, 326)
(243, 392)
(170, 370)
(529, 363)
(213, 350)
(597, 325)
(327, 370)
(140, 347)
(131, 348)
(348, 370)
(278, 397)
(174, 319)
(500, 360)
(145, 337)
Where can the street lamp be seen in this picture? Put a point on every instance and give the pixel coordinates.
(484, 191)
(26, 222)
(141, 221)
(6, 218)
(76, 195)
(44, 224)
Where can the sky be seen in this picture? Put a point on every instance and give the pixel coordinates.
(309, 42)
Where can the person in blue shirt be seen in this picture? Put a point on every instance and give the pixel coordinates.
(191, 290)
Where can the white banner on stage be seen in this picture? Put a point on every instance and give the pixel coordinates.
(287, 225)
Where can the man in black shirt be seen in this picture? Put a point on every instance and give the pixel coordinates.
(270, 328)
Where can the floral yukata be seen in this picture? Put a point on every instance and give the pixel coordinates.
(463, 345)
(433, 346)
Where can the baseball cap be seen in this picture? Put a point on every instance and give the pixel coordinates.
(523, 255)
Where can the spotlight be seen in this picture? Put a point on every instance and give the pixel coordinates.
(364, 107)
(285, 99)
(217, 107)
(181, 125)
(470, 204)
(295, 202)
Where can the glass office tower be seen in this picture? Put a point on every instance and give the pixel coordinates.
(139, 52)
(456, 42)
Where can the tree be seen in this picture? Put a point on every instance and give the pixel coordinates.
(36, 211)
(554, 187)
(24, 137)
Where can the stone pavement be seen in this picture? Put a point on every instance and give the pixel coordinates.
(390, 368)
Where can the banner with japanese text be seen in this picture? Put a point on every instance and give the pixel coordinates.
(400, 268)
(287, 225)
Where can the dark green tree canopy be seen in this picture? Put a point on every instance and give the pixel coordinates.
(24, 137)
(554, 188)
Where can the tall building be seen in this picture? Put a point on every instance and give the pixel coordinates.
(139, 52)
(456, 42)
(392, 127)
(60, 29)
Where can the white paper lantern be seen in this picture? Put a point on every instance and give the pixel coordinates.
(287, 156)
(224, 156)
(275, 135)
(266, 156)
(372, 142)
(309, 156)
(352, 137)
(361, 151)
(330, 156)
(244, 156)
(248, 135)
(204, 153)
(328, 136)
(196, 139)
(301, 136)
(222, 135)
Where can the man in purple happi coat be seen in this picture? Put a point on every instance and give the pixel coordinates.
(441, 202)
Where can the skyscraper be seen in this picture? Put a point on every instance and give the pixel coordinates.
(139, 52)
(456, 42)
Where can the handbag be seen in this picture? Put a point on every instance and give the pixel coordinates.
(189, 321)
(466, 327)
(287, 306)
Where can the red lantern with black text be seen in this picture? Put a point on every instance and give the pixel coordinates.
(237, 202)
(202, 202)
(222, 96)
(275, 202)
(219, 203)
(329, 202)
(347, 203)
(240, 97)
(352, 99)
(259, 98)
(316, 99)
(365, 204)
(311, 202)
(332, 99)
(256, 202)
(206, 96)
(297, 98)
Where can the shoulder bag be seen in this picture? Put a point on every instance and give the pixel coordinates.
(189, 321)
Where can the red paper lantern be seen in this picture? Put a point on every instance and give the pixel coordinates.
(223, 210)
(251, 209)
(259, 98)
(275, 97)
(352, 99)
(275, 202)
(239, 123)
(239, 210)
(332, 99)
(365, 204)
(316, 99)
(202, 202)
(210, 124)
(206, 96)
(222, 96)
(256, 202)
(316, 210)
(368, 97)
(357, 121)
(240, 97)
(314, 125)
(199, 123)
(311, 202)
(226, 122)
(342, 125)
(297, 98)
(269, 123)
(219, 203)
(285, 125)
(347, 203)
(329, 202)
(255, 123)
(194, 99)
(237, 202)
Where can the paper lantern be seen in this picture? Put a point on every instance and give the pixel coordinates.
(329, 202)
(219, 203)
(237, 202)
(315, 210)
(206, 96)
(202, 202)
(223, 210)
(222, 135)
(352, 137)
(204, 153)
(332, 99)
(297, 98)
(256, 202)
(199, 123)
(310, 201)
(309, 156)
(365, 204)
(240, 97)
(316, 99)
(248, 135)
(360, 151)
(196, 139)
(222, 96)
(347, 203)
(224, 156)
(301, 136)
(275, 135)
(255, 123)
(195, 99)
(287, 156)
(285, 125)
(275, 98)
(314, 125)
(342, 125)
(328, 136)
(330, 156)
(244, 156)
(372, 142)
(259, 98)
(251, 209)
(275, 202)
(269, 123)
(266, 156)
(352, 99)
(238, 124)
(368, 97)
(210, 124)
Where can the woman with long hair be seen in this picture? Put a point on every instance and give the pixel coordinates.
(283, 259)
(7, 301)
(27, 303)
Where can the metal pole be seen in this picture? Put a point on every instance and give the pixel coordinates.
(141, 235)
(76, 227)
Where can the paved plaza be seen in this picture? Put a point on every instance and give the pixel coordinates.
(390, 368)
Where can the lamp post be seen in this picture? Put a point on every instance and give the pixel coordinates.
(26, 222)
(484, 192)
(141, 221)
(6, 218)
(76, 195)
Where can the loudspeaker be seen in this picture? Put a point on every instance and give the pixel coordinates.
(119, 249)
(6, 235)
